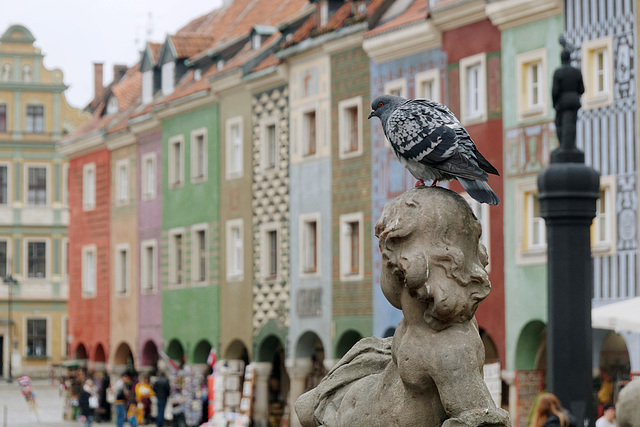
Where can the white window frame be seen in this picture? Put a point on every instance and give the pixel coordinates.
(176, 177)
(430, 76)
(88, 186)
(480, 115)
(9, 270)
(396, 87)
(344, 127)
(305, 219)
(122, 278)
(173, 267)
(122, 185)
(25, 335)
(89, 289)
(149, 176)
(195, 254)
(64, 250)
(606, 219)
(65, 184)
(304, 138)
(323, 12)
(196, 174)
(526, 253)
(346, 274)
(265, 253)
(168, 78)
(112, 105)
(8, 165)
(64, 336)
(47, 256)
(234, 148)
(256, 41)
(235, 249)
(265, 150)
(145, 267)
(527, 109)
(482, 212)
(147, 86)
(47, 168)
(594, 98)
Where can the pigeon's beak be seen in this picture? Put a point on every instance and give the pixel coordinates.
(371, 114)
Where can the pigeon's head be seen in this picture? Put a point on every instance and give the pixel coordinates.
(384, 105)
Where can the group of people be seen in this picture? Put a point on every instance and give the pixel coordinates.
(548, 412)
(132, 399)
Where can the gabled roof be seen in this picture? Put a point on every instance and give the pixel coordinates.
(186, 45)
(150, 56)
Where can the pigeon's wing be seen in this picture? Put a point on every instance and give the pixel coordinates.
(427, 132)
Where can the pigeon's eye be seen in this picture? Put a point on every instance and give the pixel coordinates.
(380, 104)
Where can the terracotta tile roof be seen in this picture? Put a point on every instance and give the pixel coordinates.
(189, 45)
(154, 49)
(129, 88)
(417, 11)
(339, 17)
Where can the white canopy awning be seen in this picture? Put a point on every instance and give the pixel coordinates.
(622, 316)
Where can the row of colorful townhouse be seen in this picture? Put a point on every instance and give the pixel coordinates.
(224, 193)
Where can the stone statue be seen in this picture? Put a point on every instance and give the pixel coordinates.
(627, 409)
(430, 372)
(565, 93)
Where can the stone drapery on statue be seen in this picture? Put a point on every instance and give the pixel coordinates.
(430, 372)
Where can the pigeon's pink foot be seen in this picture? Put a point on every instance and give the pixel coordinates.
(434, 183)
(419, 183)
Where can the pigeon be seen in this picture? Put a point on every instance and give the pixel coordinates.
(432, 144)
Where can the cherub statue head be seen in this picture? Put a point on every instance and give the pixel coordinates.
(430, 244)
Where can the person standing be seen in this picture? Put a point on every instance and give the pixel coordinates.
(548, 412)
(144, 392)
(121, 399)
(608, 418)
(162, 389)
(88, 402)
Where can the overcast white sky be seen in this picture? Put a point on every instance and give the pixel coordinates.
(73, 34)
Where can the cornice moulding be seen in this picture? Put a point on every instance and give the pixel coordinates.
(269, 77)
(183, 105)
(227, 83)
(515, 13)
(144, 123)
(121, 140)
(403, 42)
(82, 145)
(344, 43)
(459, 15)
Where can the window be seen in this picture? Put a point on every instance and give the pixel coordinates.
(597, 72)
(256, 41)
(532, 86)
(37, 259)
(26, 73)
(4, 258)
(6, 72)
(37, 185)
(64, 336)
(3, 117)
(122, 181)
(309, 244)
(350, 127)
(65, 184)
(148, 266)
(112, 105)
(89, 186)
(270, 144)
(396, 87)
(147, 86)
(122, 269)
(36, 337)
(603, 228)
(200, 254)
(234, 148)
(176, 162)
(168, 78)
(324, 12)
(4, 184)
(148, 176)
(65, 258)
(351, 246)
(473, 89)
(309, 137)
(270, 251)
(35, 119)
(199, 158)
(235, 250)
(89, 255)
(176, 257)
(428, 85)
(532, 242)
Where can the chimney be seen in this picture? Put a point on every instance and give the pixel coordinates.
(119, 70)
(98, 88)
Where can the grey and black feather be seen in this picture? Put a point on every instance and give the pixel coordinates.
(431, 143)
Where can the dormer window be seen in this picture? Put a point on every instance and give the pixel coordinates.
(324, 12)
(361, 8)
(197, 74)
(168, 77)
(220, 64)
(112, 105)
(147, 86)
(256, 41)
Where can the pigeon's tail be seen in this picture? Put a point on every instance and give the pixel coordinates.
(480, 191)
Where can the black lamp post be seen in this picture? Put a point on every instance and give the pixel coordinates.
(568, 190)
(9, 280)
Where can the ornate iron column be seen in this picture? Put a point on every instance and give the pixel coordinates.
(568, 190)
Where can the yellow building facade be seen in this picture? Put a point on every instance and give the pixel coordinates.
(34, 211)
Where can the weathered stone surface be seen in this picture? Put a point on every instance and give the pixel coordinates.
(430, 373)
(627, 408)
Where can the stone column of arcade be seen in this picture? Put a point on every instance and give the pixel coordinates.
(261, 400)
(297, 370)
(568, 190)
